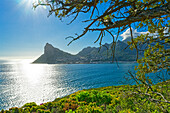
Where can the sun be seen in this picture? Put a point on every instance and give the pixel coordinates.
(28, 5)
(26, 2)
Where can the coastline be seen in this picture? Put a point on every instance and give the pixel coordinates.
(108, 62)
(98, 100)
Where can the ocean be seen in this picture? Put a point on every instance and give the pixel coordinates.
(21, 83)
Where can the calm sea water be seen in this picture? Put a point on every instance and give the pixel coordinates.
(21, 83)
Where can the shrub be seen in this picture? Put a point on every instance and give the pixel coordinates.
(2, 111)
(31, 104)
(94, 96)
(14, 110)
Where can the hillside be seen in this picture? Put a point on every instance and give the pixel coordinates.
(112, 99)
(54, 55)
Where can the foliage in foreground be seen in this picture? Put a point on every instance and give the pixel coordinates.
(112, 18)
(110, 99)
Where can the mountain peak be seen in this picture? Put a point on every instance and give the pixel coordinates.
(48, 45)
(48, 48)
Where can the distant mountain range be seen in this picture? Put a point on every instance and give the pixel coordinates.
(87, 55)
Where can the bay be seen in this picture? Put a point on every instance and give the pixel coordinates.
(21, 83)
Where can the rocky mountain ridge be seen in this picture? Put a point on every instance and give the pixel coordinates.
(88, 55)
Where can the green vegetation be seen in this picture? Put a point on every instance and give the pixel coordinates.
(112, 99)
(112, 17)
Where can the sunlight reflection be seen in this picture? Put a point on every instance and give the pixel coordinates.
(33, 73)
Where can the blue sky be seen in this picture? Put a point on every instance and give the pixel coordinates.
(24, 31)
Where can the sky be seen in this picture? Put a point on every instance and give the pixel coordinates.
(25, 31)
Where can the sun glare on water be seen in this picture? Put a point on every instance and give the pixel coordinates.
(32, 73)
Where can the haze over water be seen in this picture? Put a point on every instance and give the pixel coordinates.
(22, 82)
